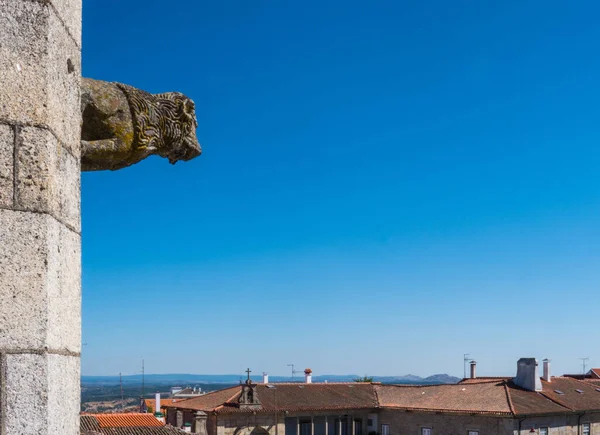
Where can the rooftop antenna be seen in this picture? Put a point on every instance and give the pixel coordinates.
(143, 378)
(583, 363)
(121, 383)
(293, 371)
(465, 360)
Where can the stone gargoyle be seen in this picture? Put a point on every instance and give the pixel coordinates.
(122, 125)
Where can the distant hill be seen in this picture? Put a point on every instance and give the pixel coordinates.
(191, 379)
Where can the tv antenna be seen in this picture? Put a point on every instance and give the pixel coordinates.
(465, 360)
(583, 363)
(293, 371)
(121, 383)
(143, 379)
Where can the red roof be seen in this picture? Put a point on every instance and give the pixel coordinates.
(163, 402)
(126, 420)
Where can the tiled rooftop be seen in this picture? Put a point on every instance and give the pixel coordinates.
(498, 396)
(289, 396)
(163, 402)
(124, 424)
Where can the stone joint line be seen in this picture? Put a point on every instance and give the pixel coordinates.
(16, 134)
(42, 126)
(60, 221)
(51, 4)
(61, 352)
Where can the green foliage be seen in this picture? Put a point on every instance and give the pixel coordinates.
(364, 378)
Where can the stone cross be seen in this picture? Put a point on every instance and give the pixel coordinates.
(40, 232)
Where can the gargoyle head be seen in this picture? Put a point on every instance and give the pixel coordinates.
(179, 134)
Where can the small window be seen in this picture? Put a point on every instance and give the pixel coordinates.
(586, 429)
(358, 426)
(425, 431)
(543, 431)
(385, 429)
(559, 392)
(370, 422)
(473, 432)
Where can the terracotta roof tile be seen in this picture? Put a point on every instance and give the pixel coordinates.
(576, 395)
(163, 402)
(479, 380)
(209, 401)
(127, 420)
(291, 397)
(487, 397)
(499, 396)
(92, 424)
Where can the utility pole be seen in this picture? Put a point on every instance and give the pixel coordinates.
(143, 379)
(583, 363)
(465, 360)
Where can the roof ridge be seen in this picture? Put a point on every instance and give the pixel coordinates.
(509, 399)
(231, 398)
(558, 402)
(455, 411)
(376, 396)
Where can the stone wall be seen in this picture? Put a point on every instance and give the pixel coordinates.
(566, 424)
(411, 423)
(243, 423)
(40, 247)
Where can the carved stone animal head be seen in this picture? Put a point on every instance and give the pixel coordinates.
(178, 130)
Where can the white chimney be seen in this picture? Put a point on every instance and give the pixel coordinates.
(527, 375)
(473, 368)
(157, 404)
(265, 378)
(187, 427)
(308, 376)
(546, 375)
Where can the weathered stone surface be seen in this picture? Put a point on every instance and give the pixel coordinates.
(64, 295)
(35, 55)
(6, 165)
(63, 394)
(40, 399)
(26, 394)
(37, 157)
(40, 267)
(123, 125)
(48, 176)
(40, 254)
(70, 13)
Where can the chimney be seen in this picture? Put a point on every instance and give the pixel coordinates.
(157, 404)
(265, 378)
(527, 375)
(308, 376)
(546, 375)
(473, 368)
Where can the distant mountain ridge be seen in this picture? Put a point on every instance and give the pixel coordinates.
(188, 379)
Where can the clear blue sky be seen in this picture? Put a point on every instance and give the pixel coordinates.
(384, 186)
